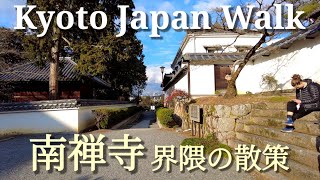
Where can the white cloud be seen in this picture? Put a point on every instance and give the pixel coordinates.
(186, 2)
(166, 6)
(152, 89)
(205, 5)
(154, 73)
(155, 79)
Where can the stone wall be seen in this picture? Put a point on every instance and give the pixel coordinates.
(218, 119)
(222, 120)
(181, 115)
(260, 124)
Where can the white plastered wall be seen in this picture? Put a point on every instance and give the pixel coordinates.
(202, 80)
(303, 58)
(46, 121)
(50, 121)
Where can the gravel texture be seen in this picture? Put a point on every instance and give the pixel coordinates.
(16, 159)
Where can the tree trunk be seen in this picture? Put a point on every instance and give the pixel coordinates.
(232, 88)
(54, 64)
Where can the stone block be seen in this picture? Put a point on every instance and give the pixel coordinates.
(226, 124)
(223, 111)
(240, 110)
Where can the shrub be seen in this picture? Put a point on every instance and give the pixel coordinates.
(165, 116)
(106, 118)
(210, 143)
(176, 95)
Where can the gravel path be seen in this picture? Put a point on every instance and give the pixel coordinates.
(16, 160)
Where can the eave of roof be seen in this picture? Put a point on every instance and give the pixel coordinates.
(310, 32)
(56, 104)
(180, 74)
(208, 34)
(315, 14)
(214, 57)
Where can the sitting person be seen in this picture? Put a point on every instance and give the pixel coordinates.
(307, 100)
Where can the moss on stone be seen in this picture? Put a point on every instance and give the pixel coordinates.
(211, 110)
(273, 123)
(267, 133)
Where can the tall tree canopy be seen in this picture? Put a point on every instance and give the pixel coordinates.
(11, 52)
(11, 49)
(118, 60)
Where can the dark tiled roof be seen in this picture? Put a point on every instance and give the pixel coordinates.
(315, 14)
(55, 104)
(310, 32)
(213, 56)
(31, 72)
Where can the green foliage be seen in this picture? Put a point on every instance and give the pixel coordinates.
(118, 61)
(210, 143)
(106, 118)
(11, 52)
(11, 48)
(165, 116)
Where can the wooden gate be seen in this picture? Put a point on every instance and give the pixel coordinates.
(220, 71)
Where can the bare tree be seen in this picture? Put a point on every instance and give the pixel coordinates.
(266, 35)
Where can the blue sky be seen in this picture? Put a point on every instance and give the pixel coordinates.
(158, 52)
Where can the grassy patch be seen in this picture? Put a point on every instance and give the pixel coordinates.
(279, 99)
(210, 143)
(243, 99)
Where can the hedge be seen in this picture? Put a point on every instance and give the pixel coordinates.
(106, 118)
(165, 117)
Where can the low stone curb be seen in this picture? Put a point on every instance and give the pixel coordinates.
(160, 125)
(127, 121)
(6, 139)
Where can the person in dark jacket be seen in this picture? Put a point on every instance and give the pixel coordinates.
(307, 100)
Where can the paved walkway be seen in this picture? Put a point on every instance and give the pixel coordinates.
(16, 159)
(146, 119)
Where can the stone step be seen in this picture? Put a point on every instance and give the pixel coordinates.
(282, 114)
(296, 171)
(294, 138)
(274, 106)
(267, 175)
(307, 127)
(315, 116)
(279, 114)
(298, 154)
